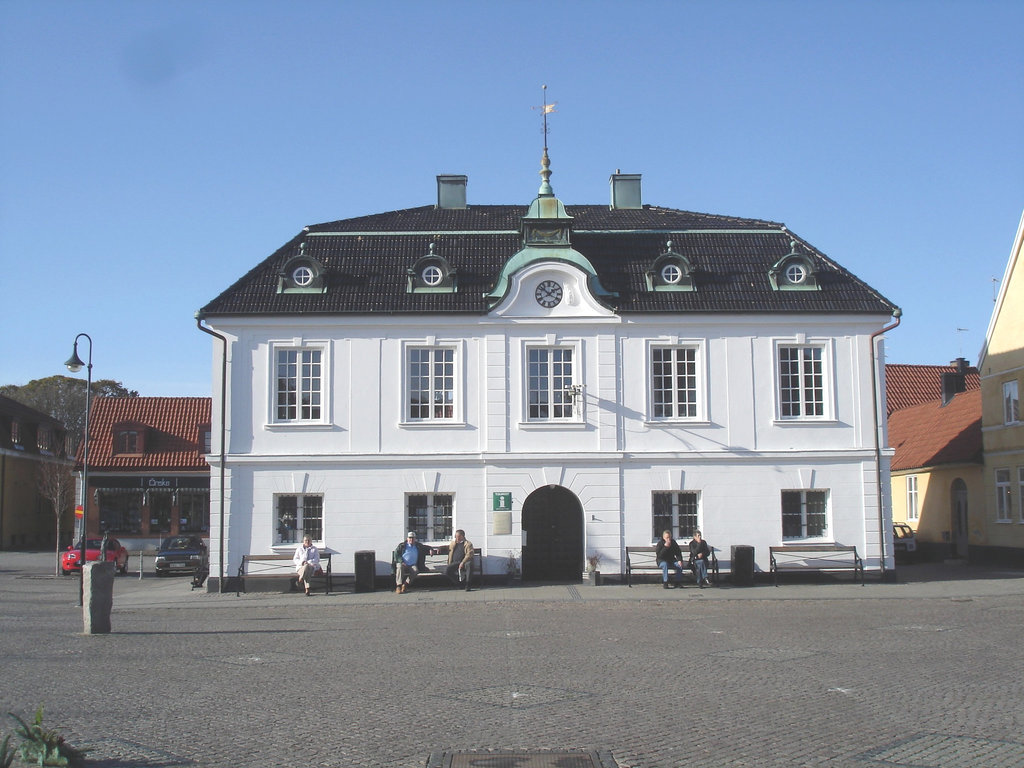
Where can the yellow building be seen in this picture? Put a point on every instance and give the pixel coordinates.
(1002, 380)
(937, 473)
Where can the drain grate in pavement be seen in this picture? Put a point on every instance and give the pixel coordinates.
(935, 750)
(119, 753)
(522, 697)
(520, 759)
(766, 654)
(257, 659)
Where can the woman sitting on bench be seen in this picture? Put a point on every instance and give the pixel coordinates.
(307, 562)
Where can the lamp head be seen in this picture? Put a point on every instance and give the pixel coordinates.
(74, 363)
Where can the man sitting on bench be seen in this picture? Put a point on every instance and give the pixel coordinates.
(409, 560)
(460, 560)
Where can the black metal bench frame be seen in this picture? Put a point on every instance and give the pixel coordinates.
(437, 565)
(645, 560)
(273, 564)
(821, 558)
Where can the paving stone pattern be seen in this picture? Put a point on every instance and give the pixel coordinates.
(610, 677)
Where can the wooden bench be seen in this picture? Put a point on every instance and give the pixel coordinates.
(645, 560)
(262, 566)
(816, 557)
(437, 565)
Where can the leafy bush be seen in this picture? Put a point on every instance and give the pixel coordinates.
(40, 746)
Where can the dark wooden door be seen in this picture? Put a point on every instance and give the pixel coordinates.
(553, 547)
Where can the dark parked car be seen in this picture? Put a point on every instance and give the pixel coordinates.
(182, 554)
(904, 542)
(116, 554)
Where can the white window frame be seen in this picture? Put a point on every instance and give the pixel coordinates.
(680, 504)
(913, 511)
(804, 536)
(438, 528)
(567, 395)
(455, 404)
(1011, 403)
(295, 533)
(1020, 494)
(699, 388)
(1003, 495)
(300, 348)
(825, 387)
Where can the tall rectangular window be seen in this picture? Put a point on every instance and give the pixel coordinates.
(299, 384)
(431, 386)
(1011, 403)
(193, 511)
(673, 382)
(121, 512)
(299, 515)
(804, 514)
(549, 383)
(675, 511)
(801, 382)
(429, 515)
(1003, 495)
(912, 510)
(1020, 494)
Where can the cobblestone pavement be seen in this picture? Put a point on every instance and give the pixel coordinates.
(924, 672)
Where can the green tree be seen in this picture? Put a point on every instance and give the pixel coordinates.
(63, 398)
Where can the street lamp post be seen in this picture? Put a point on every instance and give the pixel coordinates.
(74, 364)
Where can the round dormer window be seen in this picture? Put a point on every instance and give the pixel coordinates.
(432, 275)
(671, 274)
(795, 273)
(302, 276)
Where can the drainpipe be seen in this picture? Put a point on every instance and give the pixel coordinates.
(897, 313)
(223, 430)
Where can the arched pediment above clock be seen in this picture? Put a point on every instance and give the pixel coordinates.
(551, 289)
(565, 260)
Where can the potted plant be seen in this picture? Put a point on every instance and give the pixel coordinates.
(593, 573)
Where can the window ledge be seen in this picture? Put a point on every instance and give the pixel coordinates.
(433, 424)
(670, 423)
(817, 421)
(281, 426)
(548, 426)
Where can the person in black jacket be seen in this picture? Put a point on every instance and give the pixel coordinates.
(669, 555)
(699, 554)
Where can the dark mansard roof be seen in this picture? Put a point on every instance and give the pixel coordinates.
(365, 263)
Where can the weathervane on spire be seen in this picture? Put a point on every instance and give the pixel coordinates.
(545, 171)
(545, 110)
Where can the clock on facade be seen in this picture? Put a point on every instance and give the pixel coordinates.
(548, 294)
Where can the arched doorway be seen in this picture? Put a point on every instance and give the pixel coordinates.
(958, 494)
(553, 535)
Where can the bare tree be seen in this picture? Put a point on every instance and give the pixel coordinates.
(57, 486)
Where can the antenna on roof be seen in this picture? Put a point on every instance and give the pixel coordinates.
(545, 171)
(960, 339)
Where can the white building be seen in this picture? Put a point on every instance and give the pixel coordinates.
(557, 381)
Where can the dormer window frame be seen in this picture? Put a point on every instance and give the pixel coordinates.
(128, 438)
(794, 272)
(432, 273)
(671, 271)
(302, 274)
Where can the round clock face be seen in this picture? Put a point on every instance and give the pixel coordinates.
(548, 294)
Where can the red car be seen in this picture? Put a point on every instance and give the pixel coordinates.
(116, 554)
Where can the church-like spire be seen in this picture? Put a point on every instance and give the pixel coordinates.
(545, 161)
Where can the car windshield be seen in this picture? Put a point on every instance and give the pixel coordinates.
(902, 531)
(90, 543)
(179, 543)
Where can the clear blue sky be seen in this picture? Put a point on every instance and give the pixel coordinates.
(153, 152)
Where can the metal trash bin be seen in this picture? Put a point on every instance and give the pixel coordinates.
(742, 565)
(366, 570)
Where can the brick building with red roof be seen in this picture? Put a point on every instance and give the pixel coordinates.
(148, 476)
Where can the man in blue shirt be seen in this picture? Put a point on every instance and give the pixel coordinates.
(409, 560)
